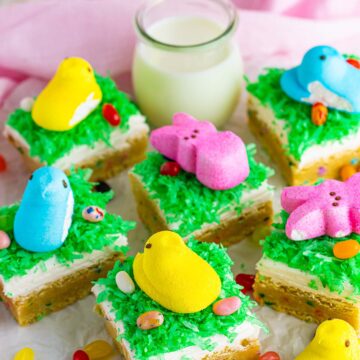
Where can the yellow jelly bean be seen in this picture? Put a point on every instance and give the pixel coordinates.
(25, 354)
(98, 349)
(347, 171)
(346, 249)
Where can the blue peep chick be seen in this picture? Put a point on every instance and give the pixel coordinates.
(45, 213)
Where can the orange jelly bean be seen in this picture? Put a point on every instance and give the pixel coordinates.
(98, 349)
(347, 171)
(319, 114)
(346, 249)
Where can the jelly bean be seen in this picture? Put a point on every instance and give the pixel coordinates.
(124, 282)
(98, 349)
(27, 104)
(102, 187)
(25, 354)
(227, 306)
(150, 320)
(93, 213)
(246, 281)
(354, 62)
(319, 113)
(4, 240)
(170, 168)
(80, 355)
(270, 355)
(3, 164)
(347, 171)
(346, 249)
(111, 115)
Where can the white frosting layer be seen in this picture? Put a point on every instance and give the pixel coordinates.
(119, 140)
(281, 273)
(244, 331)
(51, 270)
(315, 152)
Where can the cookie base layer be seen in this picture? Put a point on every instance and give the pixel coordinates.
(252, 222)
(58, 294)
(288, 167)
(250, 350)
(309, 305)
(104, 166)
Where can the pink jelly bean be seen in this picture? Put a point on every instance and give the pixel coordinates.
(227, 306)
(218, 159)
(4, 240)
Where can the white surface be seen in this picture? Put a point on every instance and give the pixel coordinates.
(58, 335)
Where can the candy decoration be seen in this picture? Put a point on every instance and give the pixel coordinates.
(4, 240)
(3, 164)
(27, 104)
(25, 354)
(71, 95)
(246, 281)
(324, 76)
(319, 114)
(124, 282)
(270, 355)
(111, 115)
(321, 170)
(93, 213)
(98, 350)
(346, 249)
(150, 320)
(354, 62)
(347, 171)
(80, 355)
(49, 192)
(218, 159)
(170, 168)
(227, 306)
(165, 264)
(331, 208)
(102, 187)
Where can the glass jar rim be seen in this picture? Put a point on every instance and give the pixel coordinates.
(230, 28)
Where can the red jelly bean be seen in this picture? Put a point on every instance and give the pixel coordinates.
(354, 62)
(270, 355)
(3, 165)
(111, 115)
(80, 355)
(246, 281)
(170, 168)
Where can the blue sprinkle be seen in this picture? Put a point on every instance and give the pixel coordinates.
(354, 161)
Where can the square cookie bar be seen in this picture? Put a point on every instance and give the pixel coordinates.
(171, 198)
(190, 327)
(49, 262)
(307, 122)
(66, 126)
(310, 263)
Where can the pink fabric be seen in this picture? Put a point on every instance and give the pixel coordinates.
(36, 36)
(218, 159)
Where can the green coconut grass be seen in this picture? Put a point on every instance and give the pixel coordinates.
(178, 330)
(301, 133)
(188, 203)
(49, 146)
(314, 257)
(84, 237)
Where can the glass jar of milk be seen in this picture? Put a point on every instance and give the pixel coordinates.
(186, 60)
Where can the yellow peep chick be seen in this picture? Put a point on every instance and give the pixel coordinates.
(174, 276)
(334, 340)
(70, 96)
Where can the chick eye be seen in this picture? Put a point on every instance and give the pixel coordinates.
(64, 184)
(322, 57)
(148, 246)
(347, 343)
(89, 70)
(31, 176)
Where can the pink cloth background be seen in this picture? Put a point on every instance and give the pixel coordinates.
(35, 36)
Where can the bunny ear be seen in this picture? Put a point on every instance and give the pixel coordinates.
(183, 119)
(165, 141)
(294, 196)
